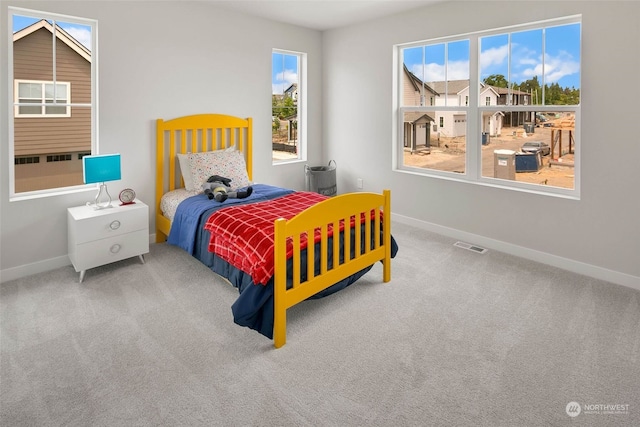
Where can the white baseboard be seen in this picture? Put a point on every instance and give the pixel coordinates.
(41, 266)
(545, 258)
(33, 268)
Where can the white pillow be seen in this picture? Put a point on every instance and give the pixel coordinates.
(185, 169)
(229, 164)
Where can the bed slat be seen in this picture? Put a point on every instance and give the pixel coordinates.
(311, 249)
(324, 244)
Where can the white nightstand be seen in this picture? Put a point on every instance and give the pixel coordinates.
(99, 237)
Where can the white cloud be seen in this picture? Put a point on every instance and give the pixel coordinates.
(494, 56)
(527, 61)
(555, 68)
(81, 34)
(432, 72)
(283, 80)
(458, 70)
(559, 67)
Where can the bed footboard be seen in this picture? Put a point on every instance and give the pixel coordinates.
(321, 216)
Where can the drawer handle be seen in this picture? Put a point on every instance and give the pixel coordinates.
(115, 248)
(114, 225)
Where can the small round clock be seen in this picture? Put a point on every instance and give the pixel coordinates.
(127, 196)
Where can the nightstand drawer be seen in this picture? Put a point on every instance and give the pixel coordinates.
(112, 249)
(113, 223)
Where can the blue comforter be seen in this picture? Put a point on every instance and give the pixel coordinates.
(190, 212)
(254, 306)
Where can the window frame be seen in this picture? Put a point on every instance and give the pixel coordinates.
(473, 158)
(38, 14)
(301, 102)
(43, 99)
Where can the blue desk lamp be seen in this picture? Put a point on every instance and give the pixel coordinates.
(100, 169)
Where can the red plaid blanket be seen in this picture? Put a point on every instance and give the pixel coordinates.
(244, 235)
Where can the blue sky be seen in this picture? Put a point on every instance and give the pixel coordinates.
(81, 33)
(561, 57)
(284, 72)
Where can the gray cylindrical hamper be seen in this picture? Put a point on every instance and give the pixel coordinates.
(321, 179)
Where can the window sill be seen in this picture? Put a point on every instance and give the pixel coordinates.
(51, 193)
(498, 183)
(288, 162)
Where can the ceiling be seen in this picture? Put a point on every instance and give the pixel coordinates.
(322, 14)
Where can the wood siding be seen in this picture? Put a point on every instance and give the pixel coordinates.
(45, 175)
(410, 96)
(41, 135)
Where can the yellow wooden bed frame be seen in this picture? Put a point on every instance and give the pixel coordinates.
(206, 132)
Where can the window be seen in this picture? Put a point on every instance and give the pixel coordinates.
(42, 93)
(26, 160)
(523, 85)
(288, 101)
(53, 75)
(436, 70)
(59, 158)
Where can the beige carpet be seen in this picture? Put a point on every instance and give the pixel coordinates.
(455, 339)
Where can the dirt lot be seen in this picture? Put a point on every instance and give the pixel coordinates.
(448, 154)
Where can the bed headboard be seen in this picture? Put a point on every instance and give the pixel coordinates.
(194, 134)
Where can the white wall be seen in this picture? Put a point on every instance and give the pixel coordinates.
(157, 60)
(598, 235)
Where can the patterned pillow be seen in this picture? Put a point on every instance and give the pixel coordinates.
(229, 164)
(185, 170)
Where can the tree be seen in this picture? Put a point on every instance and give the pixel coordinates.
(553, 93)
(556, 95)
(497, 80)
(282, 107)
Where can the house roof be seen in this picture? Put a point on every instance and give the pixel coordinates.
(292, 87)
(491, 88)
(413, 117)
(61, 34)
(456, 86)
(505, 91)
(452, 86)
(417, 83)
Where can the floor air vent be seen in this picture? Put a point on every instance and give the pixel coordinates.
(470, 247)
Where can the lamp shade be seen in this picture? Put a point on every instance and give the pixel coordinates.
(101, 168)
